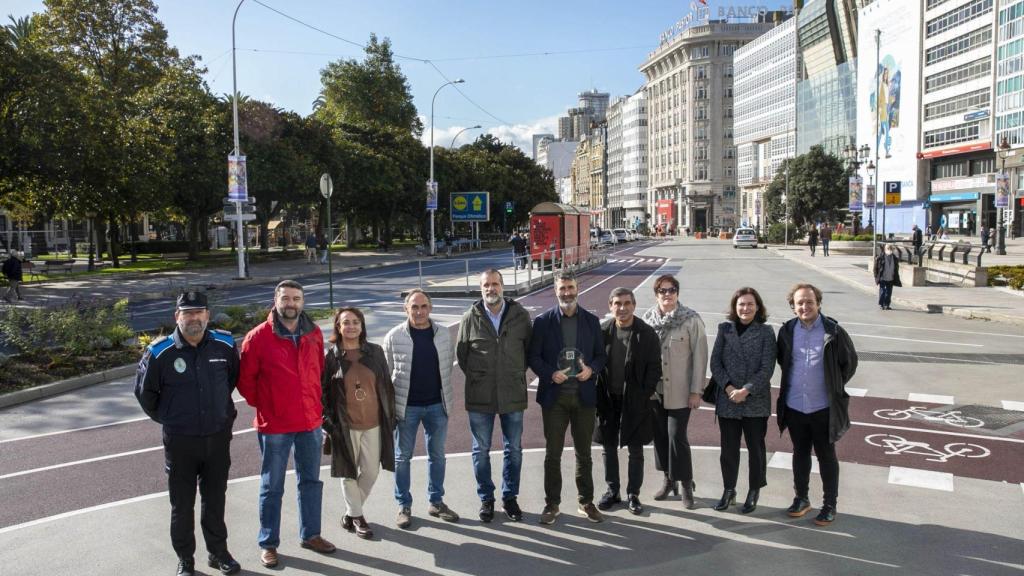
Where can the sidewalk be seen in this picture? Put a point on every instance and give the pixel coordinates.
(162, 284)
(994, 304)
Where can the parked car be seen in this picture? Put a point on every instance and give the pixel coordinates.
(608, 239)
(745, 237)
(621, 235)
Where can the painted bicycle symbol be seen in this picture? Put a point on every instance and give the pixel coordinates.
(951, 417)
(897, 445)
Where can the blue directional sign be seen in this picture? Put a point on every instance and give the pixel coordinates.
(471, 206)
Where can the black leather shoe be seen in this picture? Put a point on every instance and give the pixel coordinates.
(728, 499)
(512, 509)
(799, 507)
(633, 503)
(186, 567)
(826, 515)
(608, 500)
(750, 504)
(347, 524)
(487, 510)
(225, 563)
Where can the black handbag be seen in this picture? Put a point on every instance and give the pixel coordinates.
(710, 394)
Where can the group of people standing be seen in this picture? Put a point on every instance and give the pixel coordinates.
(622, 383)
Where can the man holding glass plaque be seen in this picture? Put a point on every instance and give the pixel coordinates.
(566, 353)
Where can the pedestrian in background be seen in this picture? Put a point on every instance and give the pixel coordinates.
(812, 239)
(419, 354)
(566, 353)
(684, 361)
(311, 248)
(826, 238)
(358, 400)
(985, 237)
(817, 359)
(12, 270)
(625, 411)
(742, 363)
(917, 239)
(184, 383)
(887, 275)
(282, 361)
(494, 337)
(324, 249)
(519, 249)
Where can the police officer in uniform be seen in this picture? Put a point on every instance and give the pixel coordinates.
(184, 382)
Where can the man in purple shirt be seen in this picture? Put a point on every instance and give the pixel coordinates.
(817, 359)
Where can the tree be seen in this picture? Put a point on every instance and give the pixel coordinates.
(817, 189)
(368, 106)
(121, 49)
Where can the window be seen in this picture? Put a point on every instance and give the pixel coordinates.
(952, 135)
(728, 91)
(727, 49)
(730, 152)
(948, 169)
(957, 104)
(728, 70)
(702, 51)
(958, 45)
(963, 73)
(958, 16)
(983, 166)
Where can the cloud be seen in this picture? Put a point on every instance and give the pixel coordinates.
(520, 135)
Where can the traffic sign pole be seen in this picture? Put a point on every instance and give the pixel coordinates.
(326, 189)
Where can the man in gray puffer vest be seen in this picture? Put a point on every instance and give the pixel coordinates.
(493, 339)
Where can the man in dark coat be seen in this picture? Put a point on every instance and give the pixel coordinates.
(12, 271)
(817, 359)
(624, 391)
(567, 353)
(917, 238)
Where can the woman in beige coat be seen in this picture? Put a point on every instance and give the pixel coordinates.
(684, 357)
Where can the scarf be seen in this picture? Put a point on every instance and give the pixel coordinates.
(664, 324)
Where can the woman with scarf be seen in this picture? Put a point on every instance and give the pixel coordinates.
(742, 363)
(359, 410)
(684, 358)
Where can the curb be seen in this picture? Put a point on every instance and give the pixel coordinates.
(62, 386)
(952, 310)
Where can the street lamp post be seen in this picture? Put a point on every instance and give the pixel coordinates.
(785, 199)
(873, 215)
(1004, 152)
(240, 233)
(856, 157)
(92, 240)
(459, 133)
(432, 184)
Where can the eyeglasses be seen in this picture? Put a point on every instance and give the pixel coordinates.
(667, 291)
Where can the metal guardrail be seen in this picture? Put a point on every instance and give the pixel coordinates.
(942, 250)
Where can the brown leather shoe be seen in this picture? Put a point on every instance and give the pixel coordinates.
(318, 544)
(362, 529)
(268, 557)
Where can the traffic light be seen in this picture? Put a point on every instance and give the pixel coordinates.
(510, 207)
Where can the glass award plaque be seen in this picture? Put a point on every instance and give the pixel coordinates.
(569, 361)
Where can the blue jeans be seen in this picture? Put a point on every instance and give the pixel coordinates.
(481, 425)
(884, 293)
(435, 429)
(276, 449)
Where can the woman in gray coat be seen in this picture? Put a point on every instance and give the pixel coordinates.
(742, 363)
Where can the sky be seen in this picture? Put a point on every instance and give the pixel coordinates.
(523, 61)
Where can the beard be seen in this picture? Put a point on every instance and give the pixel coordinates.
(289, 312)
(492, 299)
(192, 328)
(565, 302)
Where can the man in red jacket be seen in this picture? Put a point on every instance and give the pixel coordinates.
(281, 362)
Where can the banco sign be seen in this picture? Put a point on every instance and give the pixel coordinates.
(701, 13)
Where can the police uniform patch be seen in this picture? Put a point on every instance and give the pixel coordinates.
(179, 365)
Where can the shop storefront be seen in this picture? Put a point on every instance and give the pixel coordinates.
(955, 213)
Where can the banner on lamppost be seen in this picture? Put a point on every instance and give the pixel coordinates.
(869, 196)
(237, 191)
(431, 195)
(856, 198)
(1002, 190)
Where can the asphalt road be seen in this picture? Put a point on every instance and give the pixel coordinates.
(929, 406)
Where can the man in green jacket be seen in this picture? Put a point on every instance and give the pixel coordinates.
(493, 339)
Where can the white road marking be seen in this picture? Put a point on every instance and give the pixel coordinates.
(917, 328)
(932, 398)
(921, 478)
(784, 461)
(917, 340)
(96, 459)
(1013, 405)
(608, 278)
(859, 392)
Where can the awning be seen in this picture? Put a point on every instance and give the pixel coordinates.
(955, 197)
